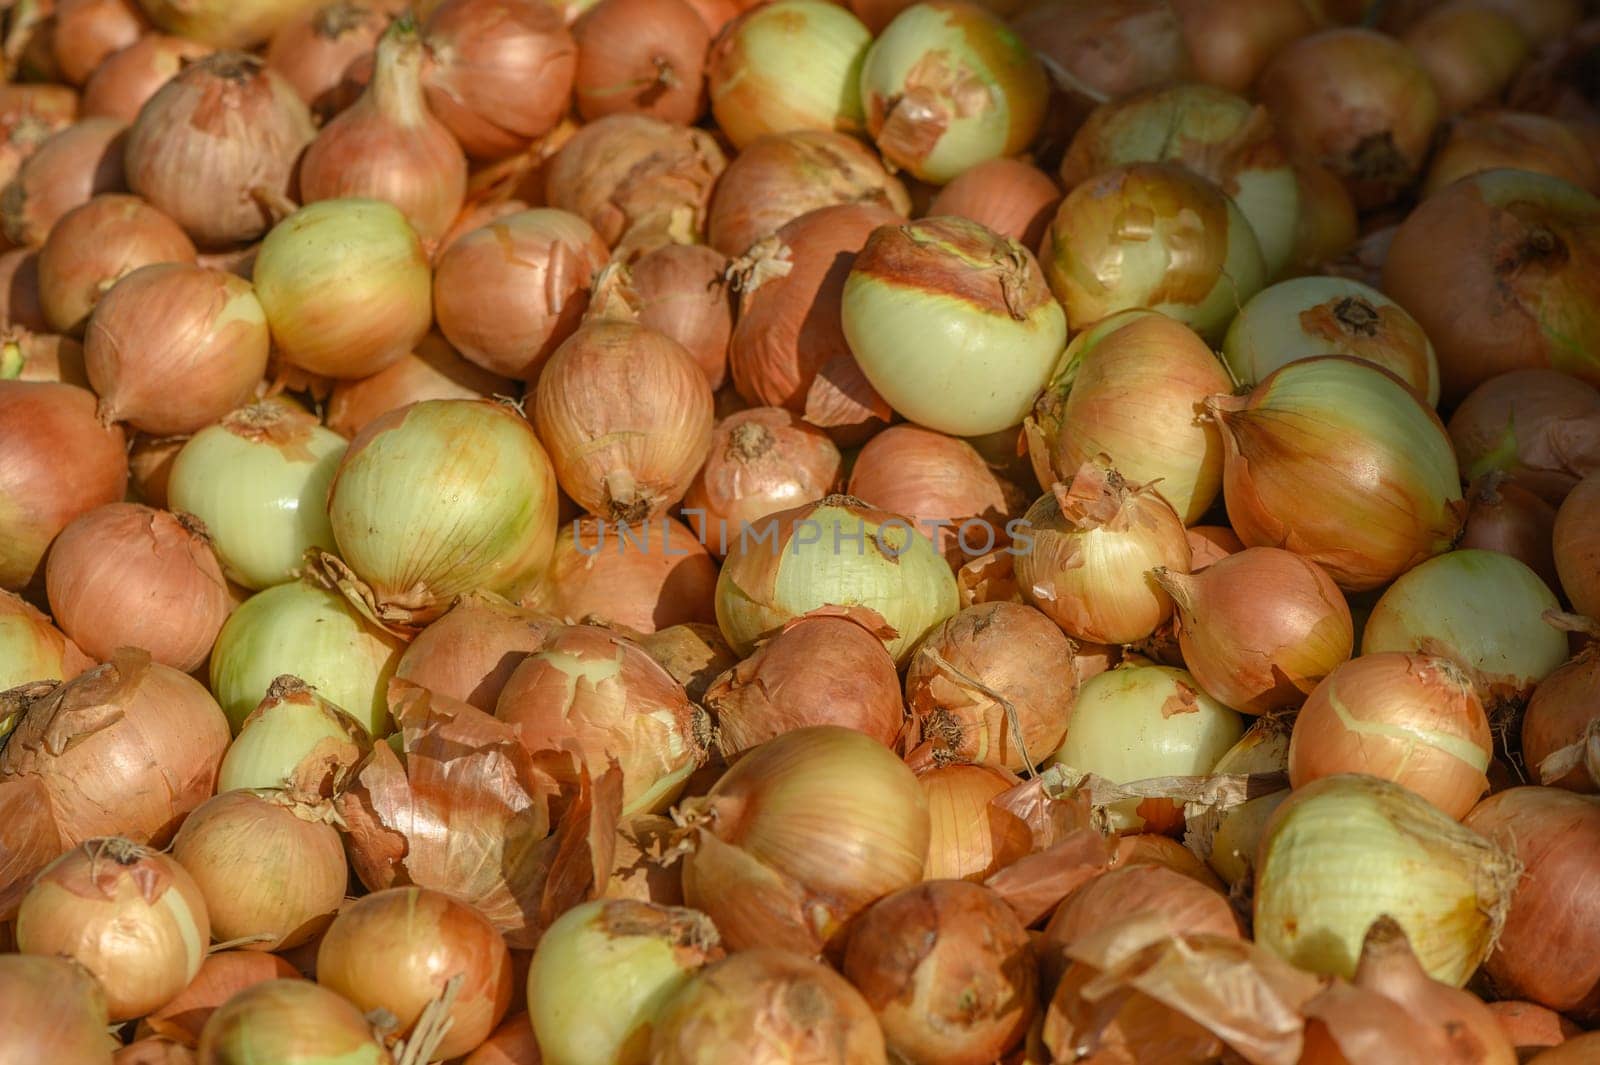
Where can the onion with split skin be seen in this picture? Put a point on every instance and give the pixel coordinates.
(94, 245)
(52, 1009)
(1490, 139)
(295, 1022)
(1210, 544)
(762, 460)
(694, 654)
(471, 651)
(1470, 50)
(1558, 727)
(31, 648)
(127, 78)
(1229, 837)
(645, 56)
(433, 371)
(648, 576)
(66, 171)
(1011, 197)
(1540, 427)
(314, 52)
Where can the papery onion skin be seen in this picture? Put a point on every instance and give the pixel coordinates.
(1541, 427)
(1531, 1027)
(1340, 424)
(315, 51)
(396, 949)
(1559, 718)
(52, 1009)
(1211, 544)
(970, 838)
(1101, 52)
(473, 648)
(757, 87)
(646, 576)
(33, 649)
(1510, 257)
(433, 371)
(683, 293)
(82, 161)
(1493, 139)
(296, 741)
(131, 916)
(1577, 548)
(60, 462)
(761, 461)
(122, 83)
(1543, 954)
(295, 1022)
(646, 56)
(695, 655)
(91, 246)
(1229, 838)
(1470, 50)
(1310, 316)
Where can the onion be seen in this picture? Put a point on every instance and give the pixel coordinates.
(1470, 50)
(947, 86)
(949, 970)
(1210, 544)
(1557, 729)
(1492, 139)
(694, 654)
(19, 291)
(433, 371)
(60, 462)
(1531, 1028)
(1503, 516)
(175, 321)
(471, 651)
(1231, 41)
(603, 973)
(510, 1044)
(1341, 461)
(1192, 255)
(66, 171)
(346, 287)
(33, 649)
(290, 1021)
(259, 481)
(270, 869)
(124, 575)
(639, 181)
(314, 51)
(1514, 290)
(1136, 722)
(1543, 954)
(767, 1005)
(833, 550)
(952, 324)
(222, 23)
(1327, 224)
(1099, 52)
(789, 348)
(85, 32)
(762, 460)
(1357, 102)
(1572, 1052)
(1131, 388)
(971, 836)
(682, 293)
(603, 693)
(1228, 836)
(26, 356)
(1312, 316)
(397, 949)
(1540, 426)
(502, 72)
(94, 245)
(52, 1009)
(296, 741)
(645, 56)
(313, 634)
(131, 916)
(154, 1051)
(1008, 196)
(792, 65)
(1088, 548)
(127, 78)
(646, 577)
(779, 177)
(1577, 551)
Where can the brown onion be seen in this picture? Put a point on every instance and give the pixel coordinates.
(1539, 426)
(433, 371)
(52, 1009)
(150, 460)
(475, 216)
(124, 575)
(782, 176)
(85, 32)
(1541, 20)
(645, 56)
(1559, 723)
(1532, 1028)
(26, 356)
(1357, 102)
(122, 83)
(683, 293)
(470, 652)
(60, 462)
(1148, 848)
(1103, 51)
(1503, 516)
(1013, 198)
(93, 246)
(507, 294)
(1231, 41)
(1491, 139)
(646, 576)
(397, 950)
(222, 975)
(1210, 544)
(33, 649)
(1577, 546)
(81, 162)
(1470, 50)
(19, 291)
(971, 836)
(314, 51)
(762, 460)
(174, 322)
(212, 141)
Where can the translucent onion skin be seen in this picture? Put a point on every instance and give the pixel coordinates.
(293, 1022)
(1195, 257)
(1577, 548)
(92, 246)
(346, 287)
(1511, 262)
(757, 87)
(471, 651)
(67, 170)
(127, 78)
(1310, 316)
(433, 371)
(52, 1009)
(1013, 198)
(952, 324)
(314, 51)
(1492, 139)
(223, 128)
(33, 649)
(761, 461)
(641, 55)
(948, 85)
(648, 577)
(1339, 461)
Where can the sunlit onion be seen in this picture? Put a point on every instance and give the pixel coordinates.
(694, 654)
(33, 649)
(433, 371)
(94, 245)
(314, 51)
(644, 56)
(222, 975)
(85, 32)
(683, 293)
(471, 651)
(970, 836)
(295, 1022)
(762, 460)
(122, 83)
(647, 576)
(296, 741)
(82, 161)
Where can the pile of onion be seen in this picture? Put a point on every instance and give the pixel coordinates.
(94, 245)
(433, 371)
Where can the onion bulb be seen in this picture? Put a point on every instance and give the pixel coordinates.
(971, 837)
(19, 290)
(66, 171)
(762, 460)
(1229, 836)
(471, 651)
(1541, 427)
(1230, 41)
(131, 916)
(1327, 226)
(1470, 50)
(512, 1043)
(294, 741)
(433, 371)
(315, 51)
(646, 577)
(952, 324)
(85, 32)
(647, 56)
(33, 649)
(222, 975)
(1105, 51)
(52, 1009)
(1503, 516)
(1341, 462)
(1490, 139)
(1008, 196)
(26, 356)
(1531, 1028)
(293, 1022)
(1577, 548)
(682, 291)
(127, 78)
(91, 246)
(801, 835)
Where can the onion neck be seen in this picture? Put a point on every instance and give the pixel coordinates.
(1180, 586)
(397, 75)
(1387, 964)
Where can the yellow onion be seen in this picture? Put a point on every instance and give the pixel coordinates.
(1503, 516)
(647, 56)
(645, 866)
(762, 460)
(346, 287)
(296, 741)
(1156, 236)
(971, 837)
(952, 324)
(292, 1022)
(471, 651)
(994, 685)
(1008, 196)
(92, 246)
(1489, 139)
(314, 634)
(1470, 50)
(1229, 836)
(397, 949)
(1541, 427)
(1344, 850)
(270, 867)
(767, 1005)
(947, 85)
(387, 146)
(1137, 722)
(173, 321)
(777, 178)
(596, 689)
(1339, 461)
(1211, 544)
(223, 131)
(390, 508)
(695, 655)
(682, 291)
(433, 371)
(124, 575)
(646, 576)
(1132, 388)
(1438, 608)
(1327, 224)
(1507, 257)
(222, 23)
(315, 51)
(52, 1009)
(1311, 316)
(604, 972)
(1085, 549)
(1100, 52)
(259, 481)
(127, 78)
(154, 1050)
(792, 65)
(1215, 133)
(33, 649)
(949, 970)
(128, 914)
(836, 551)
(70, 168)
(30, 115)
(1576, 548)
(1357, 102)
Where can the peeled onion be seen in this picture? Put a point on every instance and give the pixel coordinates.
(94, 245)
